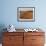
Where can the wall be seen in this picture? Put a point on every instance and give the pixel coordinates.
(9, 13)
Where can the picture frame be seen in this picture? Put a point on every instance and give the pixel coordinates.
(26, 14)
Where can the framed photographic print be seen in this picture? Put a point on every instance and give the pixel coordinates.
(26, 14)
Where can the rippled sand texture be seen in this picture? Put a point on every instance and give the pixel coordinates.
(26, 14)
